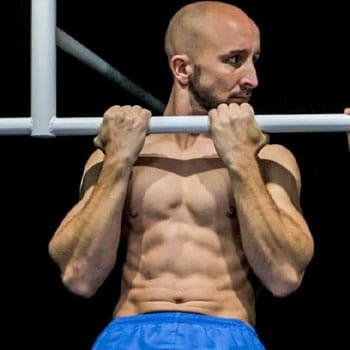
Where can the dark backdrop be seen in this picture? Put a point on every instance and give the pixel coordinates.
(304, 68)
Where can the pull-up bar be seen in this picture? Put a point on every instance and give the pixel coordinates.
(45, 37)
(183, 124)
(200, 124)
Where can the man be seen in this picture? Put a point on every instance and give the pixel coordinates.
(195, 214)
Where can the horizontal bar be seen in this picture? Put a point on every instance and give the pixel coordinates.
(283, 123)
(85, 55)
(16, 126)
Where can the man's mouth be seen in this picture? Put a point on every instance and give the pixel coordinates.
(239, 99)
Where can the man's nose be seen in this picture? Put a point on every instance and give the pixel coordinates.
(249, 76)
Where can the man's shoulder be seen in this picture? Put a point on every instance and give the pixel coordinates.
(275, 157)
(276, 151)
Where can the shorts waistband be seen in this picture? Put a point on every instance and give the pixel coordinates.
(182, 317)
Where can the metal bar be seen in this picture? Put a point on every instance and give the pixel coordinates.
(284, 123)
(16, 126)
(43, 65)
(82, 53)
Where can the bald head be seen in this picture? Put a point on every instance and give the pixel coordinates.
(188, 27)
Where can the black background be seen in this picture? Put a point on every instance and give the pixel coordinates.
(304, 68)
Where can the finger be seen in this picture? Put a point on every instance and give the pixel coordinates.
(111, 109)
(247, 108)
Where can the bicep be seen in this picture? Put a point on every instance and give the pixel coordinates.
(91, 173)
(282, 177)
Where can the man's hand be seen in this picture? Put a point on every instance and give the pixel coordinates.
(235, 132)
(123, 131)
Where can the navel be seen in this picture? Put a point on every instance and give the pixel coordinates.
(178, 300)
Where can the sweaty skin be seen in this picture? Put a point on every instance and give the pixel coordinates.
(195, 214)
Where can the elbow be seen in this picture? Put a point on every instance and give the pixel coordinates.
(281, 290)
(73, 275)
(73, 279)
(287, 278)
(78, 288)
(80, 275)
(285, 284)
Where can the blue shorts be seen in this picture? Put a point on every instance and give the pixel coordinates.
(177, 331)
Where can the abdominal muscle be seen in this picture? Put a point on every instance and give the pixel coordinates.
(185, 275)
(179, 259)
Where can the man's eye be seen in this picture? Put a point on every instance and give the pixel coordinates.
(235, 60)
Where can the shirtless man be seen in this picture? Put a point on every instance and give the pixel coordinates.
(196, 214)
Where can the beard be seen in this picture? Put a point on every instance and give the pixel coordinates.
(203, 95)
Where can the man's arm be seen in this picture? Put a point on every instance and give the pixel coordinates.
(86, 242)
(275, 237)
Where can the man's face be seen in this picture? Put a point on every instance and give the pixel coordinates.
(224, 71)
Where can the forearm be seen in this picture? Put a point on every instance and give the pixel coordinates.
(276, 242)
(86, 243)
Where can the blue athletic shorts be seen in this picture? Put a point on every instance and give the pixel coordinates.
(177, 331)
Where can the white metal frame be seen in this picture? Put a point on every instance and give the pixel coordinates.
(43, 122)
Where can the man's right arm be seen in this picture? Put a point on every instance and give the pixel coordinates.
(86, 242)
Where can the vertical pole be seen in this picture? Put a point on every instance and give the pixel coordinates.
(43, 65)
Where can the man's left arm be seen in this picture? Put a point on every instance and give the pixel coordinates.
(265, 184)
(275, 235)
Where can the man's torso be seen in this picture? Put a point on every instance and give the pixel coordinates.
(184, 250)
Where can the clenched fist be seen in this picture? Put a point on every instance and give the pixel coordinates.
(235, 133)
(123, 131)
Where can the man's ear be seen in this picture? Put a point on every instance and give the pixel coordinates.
(181, 68)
